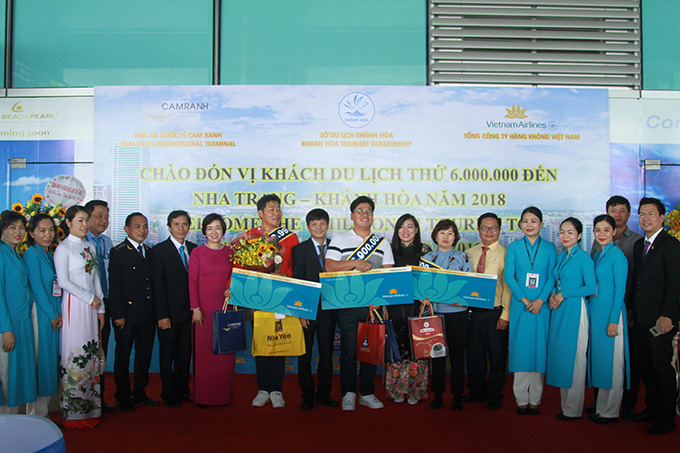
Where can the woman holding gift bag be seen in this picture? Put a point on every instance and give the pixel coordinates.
(209, 273)
(529, 265)
(408, 378)
(445, 235)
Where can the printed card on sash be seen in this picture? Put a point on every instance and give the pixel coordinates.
(366, 249)
(274, 293)
(385, 286)
(281, 233)
(466, 288)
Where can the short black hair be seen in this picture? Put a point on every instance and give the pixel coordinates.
(9, 217)
(656, 202)
(210, 218)
(605, 218)
(618, 199)
(445, 224)
(179, 213)
(362, 199)
(128, 219)
(317, 214)
(90, 205)
(33, 224)
(488, 215)
(532, 210)
(266, 198)
(397, 248)
(70, 215)
(578, 226)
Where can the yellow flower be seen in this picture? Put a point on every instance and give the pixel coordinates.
(18, 207)
(37, 198)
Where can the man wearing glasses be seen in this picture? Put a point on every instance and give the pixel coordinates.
(362, 250)
(488, 335)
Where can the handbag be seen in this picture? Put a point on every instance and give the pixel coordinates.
(392, 354)
(274, 337)
(371, 339)
(427, 335)
(228, 332)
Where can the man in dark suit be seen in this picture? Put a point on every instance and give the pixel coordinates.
(131, 308)
(170, 263)
(308, 259)
(654, 295)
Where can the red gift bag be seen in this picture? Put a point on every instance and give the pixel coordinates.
(371, 339)
(427, 333)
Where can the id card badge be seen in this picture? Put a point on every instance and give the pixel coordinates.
(532, 280)
(279, 316)
(56, 289)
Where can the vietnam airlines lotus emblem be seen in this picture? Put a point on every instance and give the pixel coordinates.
(516, 112)
(258, 293)
(434, 287)
(352, 292)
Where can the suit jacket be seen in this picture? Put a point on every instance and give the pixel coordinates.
(170, 282)
(130, 294)
(306, 264)
(655, 288)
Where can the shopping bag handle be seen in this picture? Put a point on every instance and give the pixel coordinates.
(372, 314)
(423, 304)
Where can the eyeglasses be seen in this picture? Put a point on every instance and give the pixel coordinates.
(364, 211)
(488, 228)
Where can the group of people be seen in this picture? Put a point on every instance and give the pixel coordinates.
(565, 319)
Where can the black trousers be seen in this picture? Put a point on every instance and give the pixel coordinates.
(654, 356)
(174, 359)
(270, 373)
(456, 326)
(324, 329)
(486, 342)
(141, 336)
(106, 332)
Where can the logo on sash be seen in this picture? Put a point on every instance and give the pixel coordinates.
(367, 248)
(281, 233)
(428, 264)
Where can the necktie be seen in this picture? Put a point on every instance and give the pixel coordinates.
(184, 257)
(101, 266)
(322, 255)
(482, 260)
(140, 249)
(646, 249)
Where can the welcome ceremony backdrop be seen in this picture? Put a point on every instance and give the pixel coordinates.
(437, 152)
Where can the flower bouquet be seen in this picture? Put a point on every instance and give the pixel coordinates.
(673, 223)
(259, 254)
(35, 206)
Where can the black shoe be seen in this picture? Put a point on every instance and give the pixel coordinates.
(493, 405)
(307, 404)
(644, 416)
(628, 413)
(436, 402)
(326, 400)
(603, 420)
(184, 397)
(470, 397)
(565, 418)
(126, 406)
(144, 400)
(457, 404)
(202, 406)
(591, 408)
(662, 427)
(173, 402)
(107, 407)
(534, 410)
(523, 410)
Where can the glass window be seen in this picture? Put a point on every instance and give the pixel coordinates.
(76, 43)
(374, 42)
(660, 50)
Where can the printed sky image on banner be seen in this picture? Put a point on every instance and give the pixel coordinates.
(435, 152)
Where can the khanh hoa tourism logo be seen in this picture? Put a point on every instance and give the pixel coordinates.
(356, 110)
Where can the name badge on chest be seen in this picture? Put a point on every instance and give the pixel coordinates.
(532, 280)
(56, 289)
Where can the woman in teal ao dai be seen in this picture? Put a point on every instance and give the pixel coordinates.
(568, 337)
(529, 265)
(46, 312)
(608, 359)
(17, 357)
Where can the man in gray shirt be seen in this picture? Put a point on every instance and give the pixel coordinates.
(619, 208)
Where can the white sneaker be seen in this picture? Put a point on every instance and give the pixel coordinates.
(277, 400)
(261, 399)
(349, 401)
(412, 401)
(399, 399)
(371, 401)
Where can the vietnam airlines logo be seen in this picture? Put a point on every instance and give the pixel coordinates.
(298, 303)
(516, 112)
(393, 291)
(474, 294)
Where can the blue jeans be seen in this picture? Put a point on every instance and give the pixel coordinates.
(348, 321)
